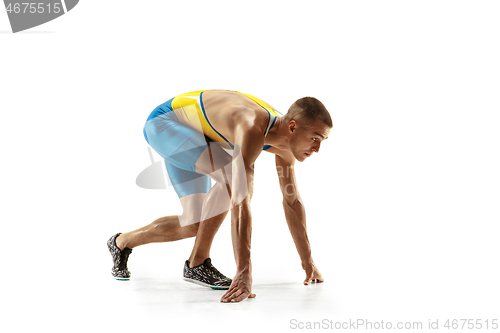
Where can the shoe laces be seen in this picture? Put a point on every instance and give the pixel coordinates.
(217, 273)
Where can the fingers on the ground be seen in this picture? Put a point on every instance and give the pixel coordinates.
(240, 298)
(307, 281)
(230, 295)
(237, 297)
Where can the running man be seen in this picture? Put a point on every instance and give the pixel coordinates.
(218, 134)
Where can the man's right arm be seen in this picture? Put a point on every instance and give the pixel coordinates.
(249, 140)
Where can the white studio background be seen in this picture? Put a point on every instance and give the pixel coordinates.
(402, 200)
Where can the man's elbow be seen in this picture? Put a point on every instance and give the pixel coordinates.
(291, 199)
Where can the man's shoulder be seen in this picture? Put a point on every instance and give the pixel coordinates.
(250, 117)
(232, 112)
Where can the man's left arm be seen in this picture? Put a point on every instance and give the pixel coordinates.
(295, 215)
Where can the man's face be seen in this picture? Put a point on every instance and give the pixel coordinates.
(305, 140)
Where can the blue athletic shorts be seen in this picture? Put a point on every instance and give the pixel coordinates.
(180, 146)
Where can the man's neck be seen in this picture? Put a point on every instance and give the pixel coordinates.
(278, 135)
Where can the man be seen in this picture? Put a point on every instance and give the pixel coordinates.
(218, 134)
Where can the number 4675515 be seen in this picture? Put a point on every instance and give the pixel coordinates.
(28, 7)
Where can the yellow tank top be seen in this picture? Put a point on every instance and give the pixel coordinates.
(190, 111)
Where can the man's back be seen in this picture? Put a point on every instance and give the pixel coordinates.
(220, 111)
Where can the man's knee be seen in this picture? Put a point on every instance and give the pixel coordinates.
(190, 230)
(190, 219)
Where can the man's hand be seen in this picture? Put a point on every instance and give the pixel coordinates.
(312, 274)
(241, 288)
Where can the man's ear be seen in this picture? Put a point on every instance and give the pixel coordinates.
(292, 125)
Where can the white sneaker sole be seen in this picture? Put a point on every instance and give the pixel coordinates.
(204, 284)
(121, 279)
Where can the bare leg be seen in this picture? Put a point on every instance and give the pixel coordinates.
(214, 212)
(204, 239)
(168, 228)
(210, 208)
(217, 204)
(164, 229)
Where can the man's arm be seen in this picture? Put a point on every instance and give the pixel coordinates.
(295, 214)
(249, 140)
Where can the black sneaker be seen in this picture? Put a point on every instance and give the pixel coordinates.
(206, 275)
(120, 258)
